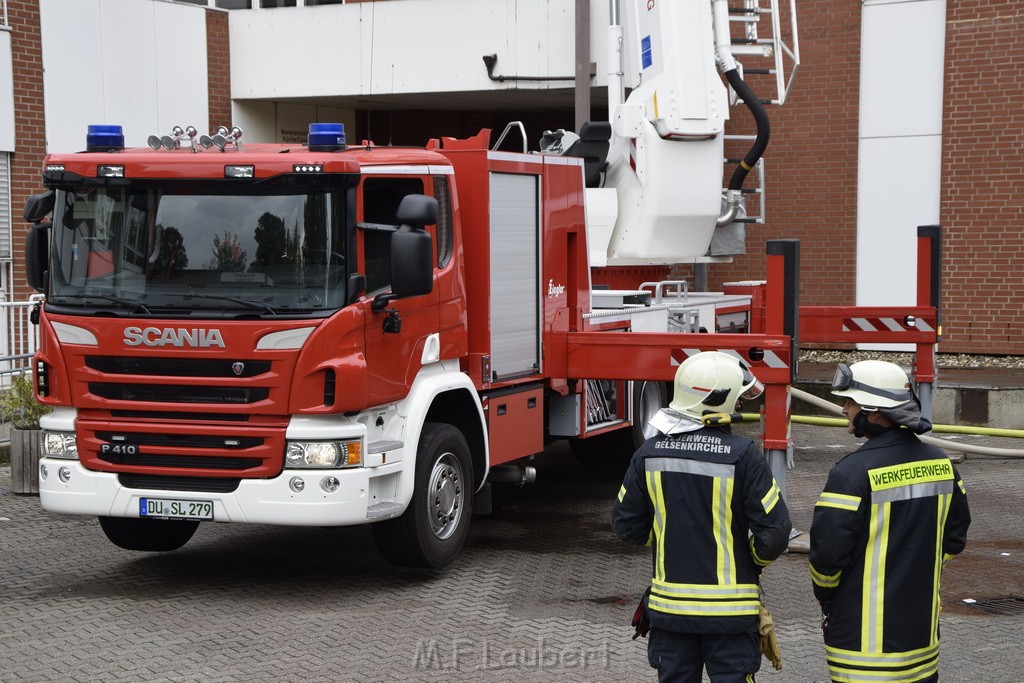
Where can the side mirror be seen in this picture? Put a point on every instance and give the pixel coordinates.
(417, 210)
(37, 256)
(38, 206)
(412, 262)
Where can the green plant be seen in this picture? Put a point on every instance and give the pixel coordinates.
(18, 404)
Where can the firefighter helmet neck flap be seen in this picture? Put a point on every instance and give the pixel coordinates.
(712, 382)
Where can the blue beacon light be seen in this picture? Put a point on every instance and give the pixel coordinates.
(326, 137)
(100, 138)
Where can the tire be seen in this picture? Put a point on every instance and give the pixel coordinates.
(150, 535)
(648, 398)
(432, 529)
(616, 448)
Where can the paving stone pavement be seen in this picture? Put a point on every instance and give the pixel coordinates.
(542, 592)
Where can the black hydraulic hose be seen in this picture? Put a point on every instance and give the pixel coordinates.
(763, 128)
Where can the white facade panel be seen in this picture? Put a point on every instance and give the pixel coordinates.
(898, 182)
(6, 94)
(406, 46)
(140, 64)
(899, 172)
(902, 58)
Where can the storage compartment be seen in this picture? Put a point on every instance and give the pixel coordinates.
(515, 422)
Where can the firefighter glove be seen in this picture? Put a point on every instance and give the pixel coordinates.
(641, 621)
(769, 643)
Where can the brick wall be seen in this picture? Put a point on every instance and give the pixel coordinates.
(29, 126)
(812, 172)
(218, 68)
(982, 213)
(811, 163)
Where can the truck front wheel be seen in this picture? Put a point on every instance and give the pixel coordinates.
(151, 535)
(431, 531)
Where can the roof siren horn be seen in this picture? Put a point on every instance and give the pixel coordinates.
(222, 138)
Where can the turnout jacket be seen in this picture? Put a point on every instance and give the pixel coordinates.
(891, 514)
(708, 505)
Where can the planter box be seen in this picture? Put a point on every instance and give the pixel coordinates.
(25, 448)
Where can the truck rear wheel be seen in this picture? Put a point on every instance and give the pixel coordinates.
(431, 531)
(152, 535)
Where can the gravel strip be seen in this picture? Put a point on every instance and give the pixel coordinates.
(943, 360)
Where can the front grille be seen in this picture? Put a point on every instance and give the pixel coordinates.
(179, 394)
(197, 462)
(176, 367)
(179, 416)
(204, 485)
(180, 440)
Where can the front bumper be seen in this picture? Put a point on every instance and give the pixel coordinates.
(260, 501)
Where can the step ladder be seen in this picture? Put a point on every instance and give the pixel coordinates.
(769, 55)
(769, 49)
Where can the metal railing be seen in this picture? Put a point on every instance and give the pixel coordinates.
(19, 339)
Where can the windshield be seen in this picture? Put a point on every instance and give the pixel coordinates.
(185, 250)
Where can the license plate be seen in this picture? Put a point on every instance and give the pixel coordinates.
(174, 508)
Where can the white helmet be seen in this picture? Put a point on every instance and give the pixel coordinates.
(712, 381)
(873, 384)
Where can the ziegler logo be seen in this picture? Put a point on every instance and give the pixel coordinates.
(169, 336)
(555, 290)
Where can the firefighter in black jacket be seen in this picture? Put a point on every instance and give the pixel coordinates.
(892, 514)
(706, 501)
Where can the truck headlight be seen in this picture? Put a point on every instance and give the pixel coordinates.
(60, 445)
(323, 454)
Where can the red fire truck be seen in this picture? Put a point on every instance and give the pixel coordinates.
(323, 334)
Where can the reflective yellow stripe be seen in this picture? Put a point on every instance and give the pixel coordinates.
(872, 676)
(658, 499)
(908, 666)
(827, 499)
(703, 608)
(963, 489)
(771, 498)
(943, 511)
(622, 492)
(721, 523)
(873, 587)
(757, 560)
(912, 665)
(705, 591)
(824, 580)
(881, 659)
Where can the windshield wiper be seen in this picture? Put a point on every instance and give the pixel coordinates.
(127, 303)
(244, 302)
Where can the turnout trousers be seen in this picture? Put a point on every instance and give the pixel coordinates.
(681, 657)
